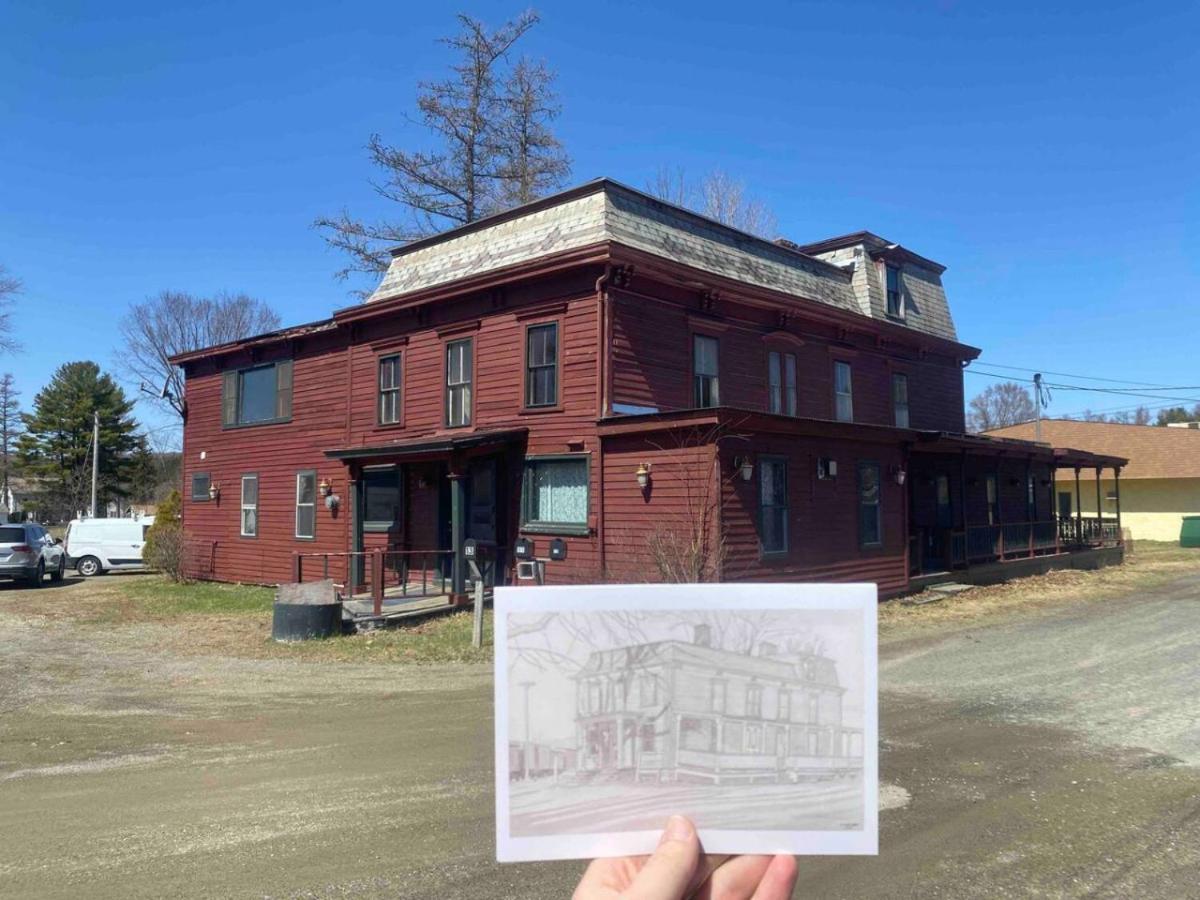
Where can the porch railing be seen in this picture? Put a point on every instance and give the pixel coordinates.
(1020, 540)
(377, 573)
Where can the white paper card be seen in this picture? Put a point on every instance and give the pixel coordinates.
(750, 708)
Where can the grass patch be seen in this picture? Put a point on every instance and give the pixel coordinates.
(441, 639)
(157, 597)
(1148, 564)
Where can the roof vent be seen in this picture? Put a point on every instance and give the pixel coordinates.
(702, 636)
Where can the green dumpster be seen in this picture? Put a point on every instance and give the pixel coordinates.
(1189, 534)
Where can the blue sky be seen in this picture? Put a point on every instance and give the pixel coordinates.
(1047, 157)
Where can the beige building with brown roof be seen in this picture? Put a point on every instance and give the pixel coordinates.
(1159, 486)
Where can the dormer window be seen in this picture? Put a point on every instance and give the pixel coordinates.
(895, 300)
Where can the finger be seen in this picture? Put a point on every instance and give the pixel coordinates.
(607, 877)
(668, 872)
(779, 880)
(736, 879)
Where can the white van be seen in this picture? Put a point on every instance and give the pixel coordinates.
(95, 546)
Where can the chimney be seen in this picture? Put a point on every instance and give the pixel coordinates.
(702, 636)
(766, 648)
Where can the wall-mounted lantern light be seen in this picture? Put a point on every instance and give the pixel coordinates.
(214, 491)
(744, 465)
(900, 475)
(643, 475)
(332, 501)
(325, 487)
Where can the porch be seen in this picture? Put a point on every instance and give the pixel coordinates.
(977, 506)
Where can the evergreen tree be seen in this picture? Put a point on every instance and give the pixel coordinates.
(56, 449)
(10, 429)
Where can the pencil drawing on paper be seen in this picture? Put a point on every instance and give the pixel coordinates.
(741, 719)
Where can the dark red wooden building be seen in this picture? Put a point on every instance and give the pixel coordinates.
(669, 396)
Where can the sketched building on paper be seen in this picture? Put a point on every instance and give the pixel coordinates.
(673, 710)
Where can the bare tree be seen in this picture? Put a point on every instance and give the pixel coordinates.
(534, 162)
(495, 148)
(11, 426)
(175, 322)
(1007, 403)
(10, 286)
(717, 195)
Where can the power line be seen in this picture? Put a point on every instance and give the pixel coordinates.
(1122, 392)
(1146, 384)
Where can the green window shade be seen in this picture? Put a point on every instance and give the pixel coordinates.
(229, 398)
(283, 389)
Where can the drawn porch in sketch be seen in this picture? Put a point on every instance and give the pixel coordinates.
(675, 711)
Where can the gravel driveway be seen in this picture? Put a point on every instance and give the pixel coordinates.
(1043, 754)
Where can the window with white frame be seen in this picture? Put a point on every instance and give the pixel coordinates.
(458, 383)
(843, 391)
(389, 389)
(306, 505)
(249, 506)
(781, 378)
(705, 380)
(900, 399)
(754, 694)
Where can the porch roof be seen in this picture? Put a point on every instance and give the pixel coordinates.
(430, 445)
(989, 445)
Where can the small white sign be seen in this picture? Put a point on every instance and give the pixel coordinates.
(750, 708)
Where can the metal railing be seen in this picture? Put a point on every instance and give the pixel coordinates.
(376, 572)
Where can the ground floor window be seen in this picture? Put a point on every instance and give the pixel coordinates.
(698, 734)
(249, 506)
(306, 504)
(381, 498)
(773, 504)
(200, 485)
(555, 493)
(870, 525)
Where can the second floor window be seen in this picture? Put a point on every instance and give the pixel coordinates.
(895, 300)
(754, 701)
(257, 395)
(900, 400)
(785, 705)
(870, 523)
(541, 365)
(773, 505)
(781, 378)
(389, 390)
(458, 383)
(717, 697)
(843, 392)
(705, 389)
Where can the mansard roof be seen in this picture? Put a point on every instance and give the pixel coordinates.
(607, 212)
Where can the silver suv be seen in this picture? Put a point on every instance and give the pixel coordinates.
(28, 552)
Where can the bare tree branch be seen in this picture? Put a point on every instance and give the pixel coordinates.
(717, 195)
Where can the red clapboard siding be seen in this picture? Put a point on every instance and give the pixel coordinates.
(651, 351)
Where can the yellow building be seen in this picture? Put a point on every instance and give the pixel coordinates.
(1159, 486)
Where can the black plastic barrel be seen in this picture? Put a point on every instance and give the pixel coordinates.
(301, 621)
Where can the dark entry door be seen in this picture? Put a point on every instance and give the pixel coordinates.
(485, 515)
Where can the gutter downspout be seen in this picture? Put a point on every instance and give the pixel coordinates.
(602, 403)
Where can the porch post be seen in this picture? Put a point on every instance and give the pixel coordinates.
(458, 578)
(962, 503)
(1079, 510)
(354, 569)
(1099, 507)
(1117, 494)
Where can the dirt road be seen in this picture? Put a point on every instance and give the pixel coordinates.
(1044, 754)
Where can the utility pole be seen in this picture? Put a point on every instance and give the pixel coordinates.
(1037, 406)
(95, 457)
(528, 745)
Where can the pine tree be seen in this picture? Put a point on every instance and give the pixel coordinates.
(55, 451)
(10, 429)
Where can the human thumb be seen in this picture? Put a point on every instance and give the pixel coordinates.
(668, 872)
